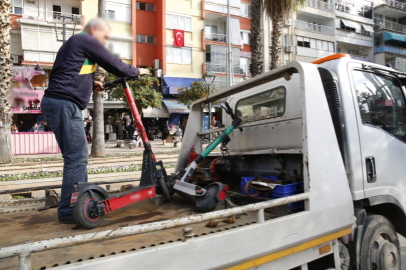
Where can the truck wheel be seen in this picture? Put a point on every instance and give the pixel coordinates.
(207, 202)
(380, 245)
(164, 189)
(82, 211)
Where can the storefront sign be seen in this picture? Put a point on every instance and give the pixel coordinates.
(26, 100)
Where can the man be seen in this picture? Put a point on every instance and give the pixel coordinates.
(69, 90)
(22, 127)
(119, 129)
(34, 128)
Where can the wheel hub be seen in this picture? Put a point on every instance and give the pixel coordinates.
(385, 255)
(344, 256)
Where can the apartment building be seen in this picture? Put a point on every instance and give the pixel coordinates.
(390, 33)
(215, 39)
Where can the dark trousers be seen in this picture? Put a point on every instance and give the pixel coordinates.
(65, 119)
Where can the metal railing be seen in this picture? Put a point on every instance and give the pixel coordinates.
(390, 49)
(319, 5)
(314, 27)
(388, 25)
(50, 16)
(398, 65)
(362, 11)
(394, 4)
(223, 69)
(24, 251)
(361, 58)
(216, 37)
(352, 34)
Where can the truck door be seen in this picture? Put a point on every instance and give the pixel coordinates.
(381, 114)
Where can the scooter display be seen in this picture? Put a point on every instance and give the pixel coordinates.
(91, 202)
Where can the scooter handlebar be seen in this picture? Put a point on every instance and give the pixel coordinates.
(118, 81)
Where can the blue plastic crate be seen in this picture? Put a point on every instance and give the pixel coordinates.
(289, 189)
(245, 180)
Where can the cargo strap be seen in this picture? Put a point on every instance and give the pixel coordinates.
(257, 188)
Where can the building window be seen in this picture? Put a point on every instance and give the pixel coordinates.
(246, 37)
(315, 44)
(145, 39)
(17, 7)
(118, 12)
(245, 10)
(286, 39)
(75, 10)
(353, 52)
(57, 11)
(261, 106)
(174, 21)
(245, 64)
(347, 28)
(145, 6)
(179, 55)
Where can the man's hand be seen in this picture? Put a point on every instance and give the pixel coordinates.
(144, 71)
(97, 86)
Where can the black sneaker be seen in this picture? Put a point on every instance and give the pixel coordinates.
(67, 220)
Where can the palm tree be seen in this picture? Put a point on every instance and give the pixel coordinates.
(277, 10)
(255, 41)
(98, 146)
(6, 154)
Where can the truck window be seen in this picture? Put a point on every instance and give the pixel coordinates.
(264, 105)
(381, 102)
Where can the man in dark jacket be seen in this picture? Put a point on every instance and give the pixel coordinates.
(119, 129)
(69, 90)
(22, 127)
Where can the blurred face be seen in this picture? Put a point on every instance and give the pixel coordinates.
(102, 34)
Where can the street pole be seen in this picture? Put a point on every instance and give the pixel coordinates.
(229, 67)
(63, 29)
(210, 127)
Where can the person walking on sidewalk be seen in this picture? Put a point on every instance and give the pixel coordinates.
(69, 90)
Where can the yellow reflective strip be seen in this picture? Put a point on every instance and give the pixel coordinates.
(289, 251)
(88, 69)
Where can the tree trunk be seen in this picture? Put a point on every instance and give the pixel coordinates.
(6, 154)
(98, 146)
(275, 47)
(255, 41)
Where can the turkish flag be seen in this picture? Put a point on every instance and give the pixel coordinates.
(179, 38)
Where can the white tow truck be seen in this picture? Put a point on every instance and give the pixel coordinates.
(338, 126)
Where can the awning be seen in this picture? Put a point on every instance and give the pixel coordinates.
(350, 24)
(155, 112)
(368, 28)
(171, 84)
(174, 107)
(394, 36)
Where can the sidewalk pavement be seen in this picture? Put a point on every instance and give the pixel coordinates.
(111, 149)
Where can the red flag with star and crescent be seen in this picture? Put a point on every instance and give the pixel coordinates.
(179, 39)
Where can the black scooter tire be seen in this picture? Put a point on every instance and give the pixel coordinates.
(209, 201)
(164, 189)
(81, 211)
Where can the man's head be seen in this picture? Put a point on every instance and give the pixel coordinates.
(98, 28)
(21, 122)
(34, 124)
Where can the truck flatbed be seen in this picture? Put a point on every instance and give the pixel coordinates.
(22, 222)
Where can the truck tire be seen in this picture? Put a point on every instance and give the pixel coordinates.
(81, 211)
(380, 245)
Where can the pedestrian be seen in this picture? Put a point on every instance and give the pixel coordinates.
(22, 127)
(90, 132)
(87, 130)
(69, 90)
(46, 127)
(107, 128)
(34, 128)
(213, 122)
(119, 129)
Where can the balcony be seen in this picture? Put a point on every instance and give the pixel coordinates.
(319, 5)
(50, 16)
(351, 34)
(394, 4)
(390, 49)
(312, 27)
(216, 37)
(222, 69)
(362, 11)
(42, 57)
(220, 6)
(388, 25)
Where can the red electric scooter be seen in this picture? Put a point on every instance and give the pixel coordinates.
(90, 202)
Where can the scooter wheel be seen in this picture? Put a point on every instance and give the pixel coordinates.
(209, 201)
(164, 189)
(82, 211)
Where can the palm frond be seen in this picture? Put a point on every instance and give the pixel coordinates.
(281, 7)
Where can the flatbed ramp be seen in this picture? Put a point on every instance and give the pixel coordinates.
(22, 222)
